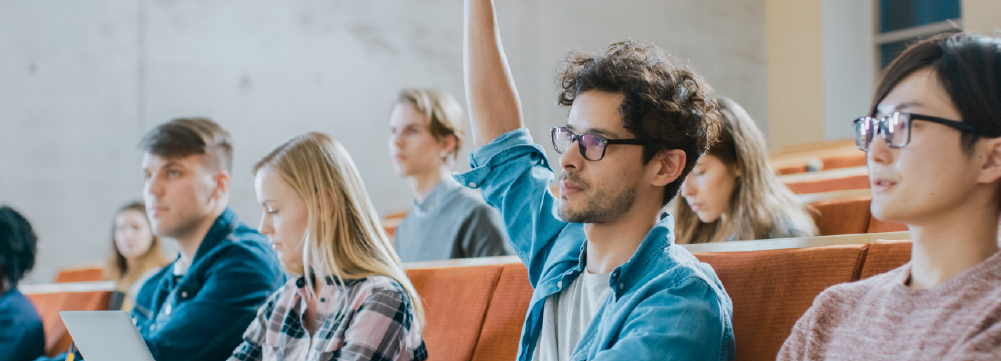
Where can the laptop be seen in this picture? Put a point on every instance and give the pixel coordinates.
(106, 336)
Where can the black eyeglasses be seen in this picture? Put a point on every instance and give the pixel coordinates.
(896, 128)
(592, 146)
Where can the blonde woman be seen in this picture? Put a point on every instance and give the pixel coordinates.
(733, 194)
(136, 253)
(352, 299)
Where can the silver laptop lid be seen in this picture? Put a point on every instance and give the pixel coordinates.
(106, 336)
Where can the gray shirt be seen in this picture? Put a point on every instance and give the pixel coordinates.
(452, 222)
(568, 313)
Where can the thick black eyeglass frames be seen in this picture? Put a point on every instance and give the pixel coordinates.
(896, 128)
(592, 146)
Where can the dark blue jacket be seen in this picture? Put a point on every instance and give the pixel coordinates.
(21, 335)
(201, 316)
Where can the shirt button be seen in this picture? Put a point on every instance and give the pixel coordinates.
(152, 328)
(184, 294)
(559, 284)
(472, 184)
(167, 311)
(621, 285)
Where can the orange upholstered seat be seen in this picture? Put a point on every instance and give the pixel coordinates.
(878, 226)
(502, 326)
(80, 274)
(57, 339)
(455, 303)
(884, 256)
(772, 289)
(842, 216)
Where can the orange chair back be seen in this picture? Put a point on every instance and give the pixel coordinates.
(842, 216)
(844, 161)
(57, 339)
(828, 185)
(884, 256)
(772, 289)
(455, 303)
(502, 325)
(80, 274)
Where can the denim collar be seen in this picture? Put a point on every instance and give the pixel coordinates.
(223, 228)
(438, 194)
(656, 241)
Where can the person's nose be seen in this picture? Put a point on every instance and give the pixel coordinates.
(688, 188)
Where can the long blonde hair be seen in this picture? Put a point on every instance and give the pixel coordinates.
(760, 206)
(118, 267)
(345, 241)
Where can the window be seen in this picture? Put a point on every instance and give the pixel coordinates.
(901, 22)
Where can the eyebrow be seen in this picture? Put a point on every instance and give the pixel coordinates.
(599, 131)
(900, 107)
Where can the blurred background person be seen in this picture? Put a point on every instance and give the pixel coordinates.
(448, 220)
(21, 334)
(136, 253)
(733, 194)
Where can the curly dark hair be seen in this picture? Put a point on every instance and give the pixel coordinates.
(667, 104)
(18, 246)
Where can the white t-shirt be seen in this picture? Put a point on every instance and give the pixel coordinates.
(567, 314)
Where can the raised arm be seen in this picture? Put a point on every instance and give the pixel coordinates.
(492, 98)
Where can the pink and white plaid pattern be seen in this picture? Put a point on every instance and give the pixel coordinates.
(378, 325)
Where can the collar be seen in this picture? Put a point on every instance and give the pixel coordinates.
(223, 228)
(438, 194)
(660, 237)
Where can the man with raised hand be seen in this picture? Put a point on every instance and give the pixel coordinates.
(609, 282)
(198, 307)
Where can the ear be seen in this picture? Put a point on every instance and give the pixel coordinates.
(221, 180)
(448, 145)
(990, 171)
(666, 166)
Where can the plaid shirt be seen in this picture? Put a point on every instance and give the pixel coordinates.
(378, 325)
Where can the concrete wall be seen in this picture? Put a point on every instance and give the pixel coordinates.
(982, 17)
(795, 72)
(83, 81)
(848, 57)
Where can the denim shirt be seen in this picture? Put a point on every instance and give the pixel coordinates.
(665, 304)
(202, 314)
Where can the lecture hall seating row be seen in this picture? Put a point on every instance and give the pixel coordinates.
(475, 307)
(475, 310)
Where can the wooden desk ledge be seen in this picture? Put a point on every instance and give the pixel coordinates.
(825, 174)
(735, 246)
(804, 242)
(67, 287)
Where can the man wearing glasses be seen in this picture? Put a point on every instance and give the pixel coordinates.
(609, 282)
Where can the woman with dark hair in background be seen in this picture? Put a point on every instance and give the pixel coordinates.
(733, 194)
(21, 334)
(136, 253)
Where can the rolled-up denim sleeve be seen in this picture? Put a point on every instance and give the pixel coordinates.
(514, 175)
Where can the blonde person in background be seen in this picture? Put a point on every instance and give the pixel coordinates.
(733, 194)
(136, 253)
(351, 299)
(448, 220)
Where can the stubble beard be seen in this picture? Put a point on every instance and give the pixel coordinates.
(604, 206)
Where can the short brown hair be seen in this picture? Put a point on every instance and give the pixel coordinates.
(666, 104)
(442, 110)
(183, 137)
